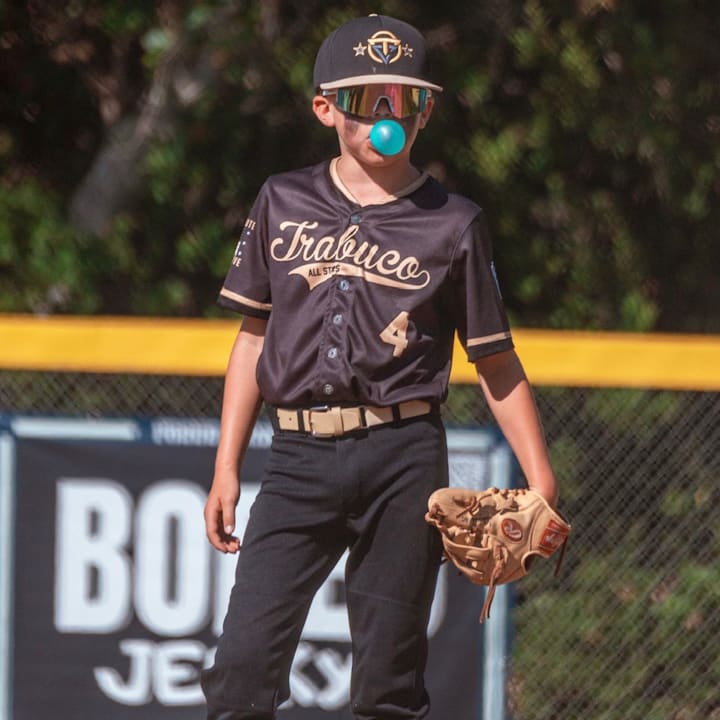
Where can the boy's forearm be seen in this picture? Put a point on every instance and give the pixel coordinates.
(511, 401)
(241, 397)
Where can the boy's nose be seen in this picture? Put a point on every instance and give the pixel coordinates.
(383, 108)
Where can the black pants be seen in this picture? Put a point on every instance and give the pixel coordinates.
(367, 492)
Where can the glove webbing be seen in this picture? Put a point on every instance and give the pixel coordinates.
(479, 513)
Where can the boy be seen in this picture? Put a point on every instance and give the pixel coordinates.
(352, 277)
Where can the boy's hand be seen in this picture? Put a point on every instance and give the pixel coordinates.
(220, 512)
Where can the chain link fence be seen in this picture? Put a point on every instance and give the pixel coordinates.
(629, 629)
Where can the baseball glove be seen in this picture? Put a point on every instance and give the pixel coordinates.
(492, 535)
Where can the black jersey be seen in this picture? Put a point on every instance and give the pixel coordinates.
(363, 302)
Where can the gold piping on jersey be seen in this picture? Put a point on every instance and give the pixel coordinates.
(472, 342)
(403, 192)
(245, 300)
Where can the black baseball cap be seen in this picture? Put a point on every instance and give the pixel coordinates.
(372, 50)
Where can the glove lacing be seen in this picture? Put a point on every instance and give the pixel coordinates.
(479, 514)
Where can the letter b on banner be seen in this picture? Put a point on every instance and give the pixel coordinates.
(92, 570)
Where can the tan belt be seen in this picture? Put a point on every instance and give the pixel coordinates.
(333, 421)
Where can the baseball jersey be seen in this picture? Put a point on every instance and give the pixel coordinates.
(362, 302)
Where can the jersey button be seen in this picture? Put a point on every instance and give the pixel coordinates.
(337, 319)
(355, 219)
(332, 353)
(328, 389)
(344, 285)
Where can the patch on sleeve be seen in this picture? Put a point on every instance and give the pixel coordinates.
(242, 242)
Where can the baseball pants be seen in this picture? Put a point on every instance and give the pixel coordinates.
(366, 491)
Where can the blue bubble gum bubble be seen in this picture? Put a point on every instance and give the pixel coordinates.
(387, 137)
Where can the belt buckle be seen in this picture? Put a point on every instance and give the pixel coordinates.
(319, 409)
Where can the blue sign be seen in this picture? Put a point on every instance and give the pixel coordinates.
(111, 598)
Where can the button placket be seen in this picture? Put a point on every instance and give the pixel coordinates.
(331, 366)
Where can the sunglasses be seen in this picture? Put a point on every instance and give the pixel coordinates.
(366, 100)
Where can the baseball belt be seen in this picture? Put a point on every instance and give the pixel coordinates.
(335, 420)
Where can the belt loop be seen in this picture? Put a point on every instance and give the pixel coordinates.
(396, 413)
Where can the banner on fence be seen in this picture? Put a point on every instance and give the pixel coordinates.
(111, 599)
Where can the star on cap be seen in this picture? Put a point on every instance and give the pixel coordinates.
(407, 50)
(359, 49)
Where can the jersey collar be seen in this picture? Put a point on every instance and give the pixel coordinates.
(403, 192)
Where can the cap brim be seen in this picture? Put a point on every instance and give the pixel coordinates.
(379, 80)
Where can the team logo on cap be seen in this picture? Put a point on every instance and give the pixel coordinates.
(384, 47)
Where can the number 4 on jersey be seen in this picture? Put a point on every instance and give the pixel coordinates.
(395, 333)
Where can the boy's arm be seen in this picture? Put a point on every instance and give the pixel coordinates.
(511, 401)
(240, 408)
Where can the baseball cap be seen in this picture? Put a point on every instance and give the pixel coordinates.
(373, 50)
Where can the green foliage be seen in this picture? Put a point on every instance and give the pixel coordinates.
(588, 131)
(39, 268)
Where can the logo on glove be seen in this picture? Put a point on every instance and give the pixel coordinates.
(512, 530)
(553, 537)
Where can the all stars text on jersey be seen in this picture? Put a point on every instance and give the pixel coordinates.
(347, 255)
(320, 270)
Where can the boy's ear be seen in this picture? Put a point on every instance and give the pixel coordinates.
(323, 110)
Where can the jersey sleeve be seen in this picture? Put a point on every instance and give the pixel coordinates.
(480, 318)
(246, 288)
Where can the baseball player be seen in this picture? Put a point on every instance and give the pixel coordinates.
(352, 277)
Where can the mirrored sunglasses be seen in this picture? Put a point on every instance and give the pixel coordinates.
(366, 100)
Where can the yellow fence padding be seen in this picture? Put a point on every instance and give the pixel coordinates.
(201, 347)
